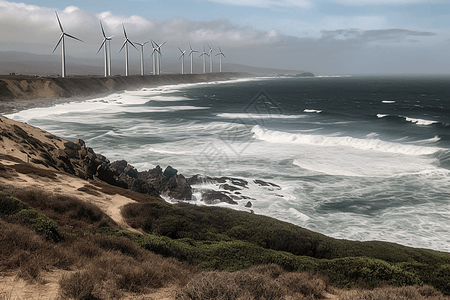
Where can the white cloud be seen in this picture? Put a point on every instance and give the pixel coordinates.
(385, 2)
(268, 3)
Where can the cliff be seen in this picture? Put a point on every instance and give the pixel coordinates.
(14, 88)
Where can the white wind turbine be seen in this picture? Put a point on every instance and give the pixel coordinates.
(182, 61)
(154, 53)
(220, 59)
(192, 56)
(125, 44)
(159, 57)
(142, 56)
(204, 59)
(210, 59)
(106, 44)
(63, 46)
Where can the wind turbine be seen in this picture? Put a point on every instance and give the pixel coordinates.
(192, 57)
(157, 49)
(220, 59)
(142, 56)
(154, 53)
(63, 46)
(210, 59)
(107, 54)
(125, 44)
(204, 59)
(182, 62)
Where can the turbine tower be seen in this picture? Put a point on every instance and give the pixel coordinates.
(210, 59)
(204, 59)
(63, 46)
(182, 62)
(107, 54)
(125, 44)
(220, 59)
(142, 56)
(192, 57)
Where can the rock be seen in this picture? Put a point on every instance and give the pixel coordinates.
(119, 166)
(131, 171)
(105, 174)
(178, 188)
(170, 172)
(72, 146)
(228, 187)
(269, 184)
(249, 204)
(199, 179)
(213, 197)
(80, 142)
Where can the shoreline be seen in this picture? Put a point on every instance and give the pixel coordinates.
(18, 93)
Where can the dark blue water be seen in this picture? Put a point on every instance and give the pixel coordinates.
(363, 158)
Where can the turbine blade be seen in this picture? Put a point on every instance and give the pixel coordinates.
(124, 32)
(103, 43)
(59, 22)
(123, 45)
(131, 43)
(60, 39)
(75, 38)
(103, 31)
(162, 44)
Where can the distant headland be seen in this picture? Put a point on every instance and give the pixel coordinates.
(16, 91)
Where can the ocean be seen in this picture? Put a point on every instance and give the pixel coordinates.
(353, 157)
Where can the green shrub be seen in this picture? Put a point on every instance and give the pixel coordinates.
(39, 222)
(10, 205)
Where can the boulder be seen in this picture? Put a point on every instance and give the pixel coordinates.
(249, 204)
(170, 172)
(213, 197)
(178, 188)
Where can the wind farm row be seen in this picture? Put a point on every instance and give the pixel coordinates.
(156, 53)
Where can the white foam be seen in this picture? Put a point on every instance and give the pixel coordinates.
(381, 116)
(257, 116)
(312, 111)
(388, 101)
(420, 121)
(273, 136)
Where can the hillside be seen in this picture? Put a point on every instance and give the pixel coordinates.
(47, 89)
(60, 218)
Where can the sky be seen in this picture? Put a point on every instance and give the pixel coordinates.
(326, 37)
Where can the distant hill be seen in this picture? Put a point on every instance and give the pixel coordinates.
(43, 65)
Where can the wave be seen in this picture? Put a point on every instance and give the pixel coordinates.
(412, 120)
(420, 121)
(312, 111)
(388, 101)
(258, 116)
(273, 136)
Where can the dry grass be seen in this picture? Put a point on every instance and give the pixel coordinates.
(70, 213)
(391, 293)
(268, 282)
(30, 169)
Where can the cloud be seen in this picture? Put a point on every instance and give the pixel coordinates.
(385, 2)
(267, 3)
(349, 47)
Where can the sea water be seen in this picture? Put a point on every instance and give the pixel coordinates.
(359, 158)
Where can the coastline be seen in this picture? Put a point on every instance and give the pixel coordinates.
(25, 92)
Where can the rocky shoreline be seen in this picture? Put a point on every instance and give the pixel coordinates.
(25, 92)
(77, 159)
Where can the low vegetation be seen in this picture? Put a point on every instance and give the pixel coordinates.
(208, 253)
